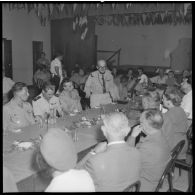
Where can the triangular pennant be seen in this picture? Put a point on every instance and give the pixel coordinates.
(186, 5)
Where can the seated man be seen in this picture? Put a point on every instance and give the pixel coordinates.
(18, 112)
(159, 79)
(171, 80)
(155, 153)
(45, 102)
(7, 85)
(113, 166)
(99, 86)
(123, 88)
(142, 81)
(58, 156)
(186, 103)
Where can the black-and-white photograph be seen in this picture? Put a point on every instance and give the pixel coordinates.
(97, 96)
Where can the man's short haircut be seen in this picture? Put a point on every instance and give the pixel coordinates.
(154, 118)
(48, 86)
(174, 95)
(65, 80)
(42, 53)
(117, 123)
(18, 87)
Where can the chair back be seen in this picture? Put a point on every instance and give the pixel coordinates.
(135, 187)
(39, 83)
(170, 167)
(177, 149)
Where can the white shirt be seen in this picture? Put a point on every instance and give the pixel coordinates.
(186, 104)
(7, 84)
(72, 181)
(42, 106)
(143, 79)
(56, 63)
(157, 79)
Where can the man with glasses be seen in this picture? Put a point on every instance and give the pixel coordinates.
(99, 86)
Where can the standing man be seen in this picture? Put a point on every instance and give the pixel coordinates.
(43, 60)
(100, 86)
(56, 70)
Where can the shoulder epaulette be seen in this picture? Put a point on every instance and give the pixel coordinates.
(36, 98)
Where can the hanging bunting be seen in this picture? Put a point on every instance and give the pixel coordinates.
(61, 7)
(186, 5)
(97, 5)
(50, 9)
(74, 7)
(84, 7)
(127, 5)
(144, 18)
(113, 5)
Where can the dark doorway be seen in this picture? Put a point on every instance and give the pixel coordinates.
(37, 49)
(7, 57)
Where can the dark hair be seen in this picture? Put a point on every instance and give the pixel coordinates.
(18, 87)
(47, 86)
(153, 99)
(189, 79)
(154, 118)
(123, 79)
(42, 53)
(65, 80)
(42, 166)
(174, 95)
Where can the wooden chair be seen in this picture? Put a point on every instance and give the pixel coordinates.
(135, 187)
(183, 164)
(170, 167)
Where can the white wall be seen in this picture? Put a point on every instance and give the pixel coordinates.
(23, 28)
(142, 45)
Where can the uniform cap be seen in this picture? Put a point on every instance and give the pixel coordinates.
(58, 150)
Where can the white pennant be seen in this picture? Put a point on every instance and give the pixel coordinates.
(74, 7)
(186, 5)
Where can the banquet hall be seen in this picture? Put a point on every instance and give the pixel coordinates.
(97, 96)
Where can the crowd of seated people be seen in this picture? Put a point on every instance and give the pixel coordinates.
(122, 159)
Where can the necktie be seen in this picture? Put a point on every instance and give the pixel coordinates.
(104, 84)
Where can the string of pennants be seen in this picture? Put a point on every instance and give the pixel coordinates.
(80, 13)
(152, 18)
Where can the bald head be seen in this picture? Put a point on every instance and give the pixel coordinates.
(101, 66)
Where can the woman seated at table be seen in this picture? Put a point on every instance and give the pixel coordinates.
(57, 157)
(69, 97)
(175, 120)
(18, 113)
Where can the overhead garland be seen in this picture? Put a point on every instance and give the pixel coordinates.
(179, 13)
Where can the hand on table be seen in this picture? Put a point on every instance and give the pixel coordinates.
(137, 130)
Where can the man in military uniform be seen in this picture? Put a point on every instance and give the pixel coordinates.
(46, 101)
(17, 112)
(100, 86)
